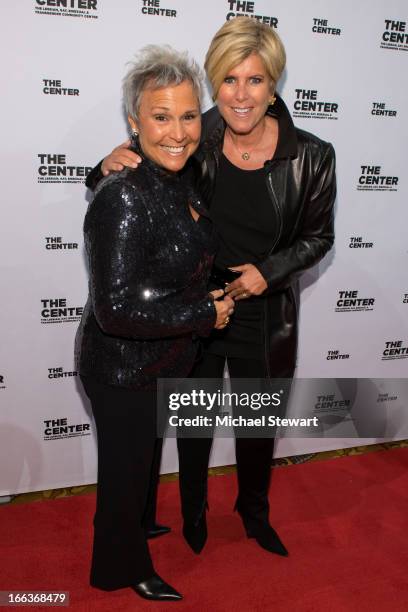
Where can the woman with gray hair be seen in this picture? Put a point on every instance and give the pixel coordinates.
(150, 248)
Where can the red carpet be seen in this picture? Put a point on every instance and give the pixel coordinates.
(344, 521)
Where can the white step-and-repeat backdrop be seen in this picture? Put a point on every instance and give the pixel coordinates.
(63, 61)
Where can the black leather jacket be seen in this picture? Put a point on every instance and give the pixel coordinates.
(149, 264)
(301, 183)
(302, 187)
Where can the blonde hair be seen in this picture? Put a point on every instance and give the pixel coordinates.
(235, 41)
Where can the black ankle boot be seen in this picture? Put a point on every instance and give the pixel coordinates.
(195, 533)
(267, 538)
(260, 529)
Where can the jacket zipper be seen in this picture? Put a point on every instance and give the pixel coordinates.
(296, 320)
(275, 200)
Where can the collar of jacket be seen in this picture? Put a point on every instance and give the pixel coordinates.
(214, 128)
(184, 178)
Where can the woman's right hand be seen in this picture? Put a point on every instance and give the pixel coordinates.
(224, 308)
(121, 157)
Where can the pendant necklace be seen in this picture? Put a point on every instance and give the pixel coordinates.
(246, 155)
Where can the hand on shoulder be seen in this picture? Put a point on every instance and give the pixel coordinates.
(121, 157)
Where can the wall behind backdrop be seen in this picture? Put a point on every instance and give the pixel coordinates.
(63, 61)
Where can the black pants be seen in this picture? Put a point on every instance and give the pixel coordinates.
(128, 456)
(254, 455)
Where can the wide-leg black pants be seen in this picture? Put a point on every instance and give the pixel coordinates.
(128, 459)
(254, 455)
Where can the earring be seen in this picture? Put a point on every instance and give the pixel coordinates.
(272, 100)
(135, 132)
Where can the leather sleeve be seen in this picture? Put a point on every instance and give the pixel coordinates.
(126, 290)
(315, 236)
(94, 176)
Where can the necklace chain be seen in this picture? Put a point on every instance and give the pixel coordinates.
(245, 155)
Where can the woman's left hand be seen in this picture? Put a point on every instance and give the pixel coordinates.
(251, 282)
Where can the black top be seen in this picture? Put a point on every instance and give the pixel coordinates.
(244, 217)
(246, 223)
(149, 264)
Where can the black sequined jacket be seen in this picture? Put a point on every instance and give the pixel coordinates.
(301, 183)
(149, 263)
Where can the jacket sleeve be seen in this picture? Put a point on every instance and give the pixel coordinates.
(94, 176)
(127, 300)
(315, 236)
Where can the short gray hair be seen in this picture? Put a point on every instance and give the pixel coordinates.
(158, 66)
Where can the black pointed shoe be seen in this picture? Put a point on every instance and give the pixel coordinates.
(155, 531)
(195, 533)
(267, 538)
(155, 588)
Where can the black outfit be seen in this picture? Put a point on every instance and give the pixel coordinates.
(244, 233)
(254, 456)
(301, 185)
(149, 262)
(126, 427)
(291, 230)
(244, 228)
(149, 266)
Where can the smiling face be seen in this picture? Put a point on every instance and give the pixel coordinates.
(169, 124)
(244, 95)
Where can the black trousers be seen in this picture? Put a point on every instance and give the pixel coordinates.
(149, 516)
(254, 455)
(128, 462)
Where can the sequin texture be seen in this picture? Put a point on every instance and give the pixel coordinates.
(149, 264)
